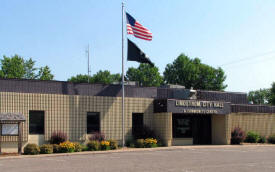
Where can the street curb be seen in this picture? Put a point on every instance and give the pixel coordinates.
(122, 150)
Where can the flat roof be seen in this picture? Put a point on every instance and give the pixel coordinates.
(111, 90)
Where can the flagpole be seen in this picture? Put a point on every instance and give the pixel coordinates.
(123, 137)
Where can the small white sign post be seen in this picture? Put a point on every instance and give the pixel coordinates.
(11, 125)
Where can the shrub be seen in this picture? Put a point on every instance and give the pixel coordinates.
(145, 132)
(150, 143)
(58, 137)
(252, 137)
(271, 139)
(132, 145)
(97, 136)
(31, 149)
(46, 149)
(113, 144)
(160, 144)
(84, 148)
(67, 147)
(130, 142)
(139, 143)
(93, 145)
(56, 148)
(78, 147)
(237, 136)
(105, 145)
(262, 139)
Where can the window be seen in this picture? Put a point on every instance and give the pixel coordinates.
(137, 124)
(93, 122)
(182, 126)
(36, 122)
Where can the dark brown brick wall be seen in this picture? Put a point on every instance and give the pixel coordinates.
(252, 108)
(69, 88)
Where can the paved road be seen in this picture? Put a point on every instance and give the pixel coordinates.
(209, 159)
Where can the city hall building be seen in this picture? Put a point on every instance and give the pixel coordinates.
(178, 116)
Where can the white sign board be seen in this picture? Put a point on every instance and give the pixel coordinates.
(9, 129)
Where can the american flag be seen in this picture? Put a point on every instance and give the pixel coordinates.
(135, 28)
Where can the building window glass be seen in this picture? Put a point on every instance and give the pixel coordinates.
(36, 122)
(182, 126)
(93, 122)
(137, 124)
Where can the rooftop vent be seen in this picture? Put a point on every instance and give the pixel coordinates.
(173, 86)
(133, 83)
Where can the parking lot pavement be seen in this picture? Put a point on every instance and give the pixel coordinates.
(192, 159)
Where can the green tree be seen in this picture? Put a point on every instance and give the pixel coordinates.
(1, 74)
(29, 69)
(272, 94)
(261, 96)
(103, 77)
(16, 67)
(146, 75)
(80, 78)
(116, 77)
(13, 67)
(192, 73)
(44, 73)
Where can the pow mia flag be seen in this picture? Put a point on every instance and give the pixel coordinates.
(135, 54)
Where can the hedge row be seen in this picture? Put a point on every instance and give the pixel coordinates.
(238, 136)
(68, 147)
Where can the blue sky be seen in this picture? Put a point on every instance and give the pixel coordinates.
(237, 35)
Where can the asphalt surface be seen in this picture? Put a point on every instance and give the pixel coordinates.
(193, 159)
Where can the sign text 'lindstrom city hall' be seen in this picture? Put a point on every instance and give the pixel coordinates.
(200, 107)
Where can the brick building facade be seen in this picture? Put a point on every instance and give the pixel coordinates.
(81, 109)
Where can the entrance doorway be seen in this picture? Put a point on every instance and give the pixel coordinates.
(193, 126)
